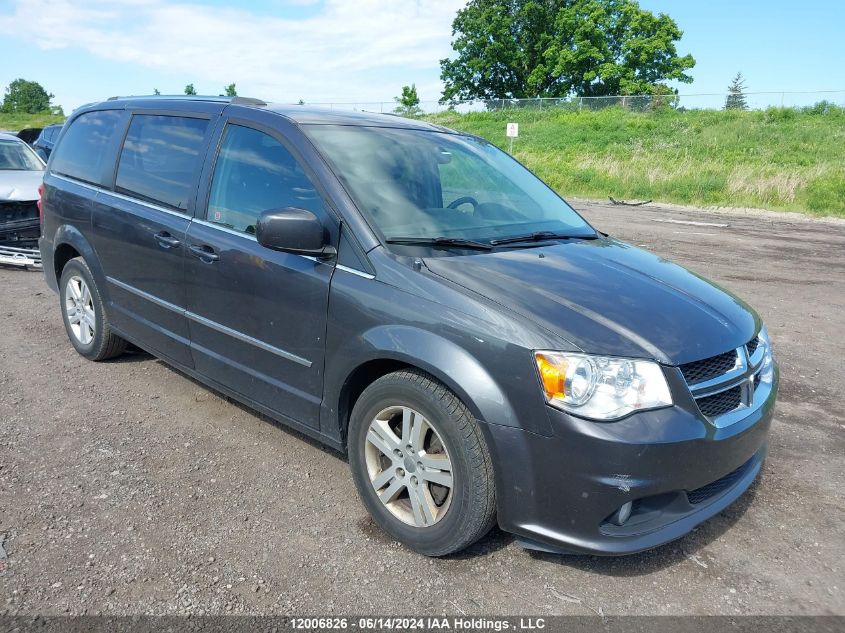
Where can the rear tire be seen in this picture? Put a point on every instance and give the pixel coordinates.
(421, 465)
(84, 314)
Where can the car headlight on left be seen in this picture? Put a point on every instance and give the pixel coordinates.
(601, 387)
(767, 370)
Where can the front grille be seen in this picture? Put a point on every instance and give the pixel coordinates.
(18, 210)
(19, 224)
(712, 489)
(701, 370)
(751, 346)
(721, 402)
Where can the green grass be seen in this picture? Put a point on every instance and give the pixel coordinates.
(782, 159)
(17, 122)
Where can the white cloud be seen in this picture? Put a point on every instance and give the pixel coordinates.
(343, 52)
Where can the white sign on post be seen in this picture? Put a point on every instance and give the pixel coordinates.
(512, 133)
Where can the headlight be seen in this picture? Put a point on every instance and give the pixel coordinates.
(767, 370)
(599, 387)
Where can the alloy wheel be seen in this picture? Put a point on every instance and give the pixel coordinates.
(79, 307)
(409, 466)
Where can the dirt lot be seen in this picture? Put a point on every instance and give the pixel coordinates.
(126, 487)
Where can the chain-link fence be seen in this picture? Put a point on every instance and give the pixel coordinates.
(636, 103)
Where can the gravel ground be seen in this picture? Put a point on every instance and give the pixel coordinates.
(127, 488)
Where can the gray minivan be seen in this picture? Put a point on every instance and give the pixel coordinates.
(414, 297)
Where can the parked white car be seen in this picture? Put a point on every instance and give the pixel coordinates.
(21, 174)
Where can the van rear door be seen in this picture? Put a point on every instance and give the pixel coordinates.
(139, 227)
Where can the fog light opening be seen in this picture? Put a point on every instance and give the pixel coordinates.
(622, 514)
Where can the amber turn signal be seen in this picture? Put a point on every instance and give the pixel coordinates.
(553, 376)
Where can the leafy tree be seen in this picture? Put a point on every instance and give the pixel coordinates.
(189, 89)
(156, 92)
(409, 102)
(736, 94)
(230, 90)
(555, 48)
(26, 96)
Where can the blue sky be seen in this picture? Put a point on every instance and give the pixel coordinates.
(779, 45)
(364, 50)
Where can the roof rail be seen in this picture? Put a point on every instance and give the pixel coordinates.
(237, 100)
(248, 101)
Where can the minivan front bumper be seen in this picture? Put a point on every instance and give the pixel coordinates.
(558, 493)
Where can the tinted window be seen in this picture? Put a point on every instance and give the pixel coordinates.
(255, 173)
(83, 149)
(159, 158)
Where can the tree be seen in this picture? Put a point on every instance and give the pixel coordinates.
(189, 89)
(736, 94)
(230, 90)
(409, 102)
(26, 96)
(556, 48)
(156, 91)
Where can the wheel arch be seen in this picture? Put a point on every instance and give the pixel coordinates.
(392, 348)
(69, 242)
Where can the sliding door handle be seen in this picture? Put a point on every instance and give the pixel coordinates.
(166, 240)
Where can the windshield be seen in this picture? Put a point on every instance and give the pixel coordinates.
(422, 184)
(17, 156)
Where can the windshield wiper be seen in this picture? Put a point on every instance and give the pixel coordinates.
(455, 242)
(539, 236)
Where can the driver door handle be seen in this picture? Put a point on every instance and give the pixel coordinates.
(204, 253)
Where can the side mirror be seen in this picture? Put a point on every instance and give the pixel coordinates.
(293, 230)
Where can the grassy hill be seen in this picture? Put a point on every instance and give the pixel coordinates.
(782, 159)
(17, 122)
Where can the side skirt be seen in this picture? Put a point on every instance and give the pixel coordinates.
(311, 432)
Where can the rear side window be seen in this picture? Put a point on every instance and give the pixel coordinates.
(159, 158)
(82, 152)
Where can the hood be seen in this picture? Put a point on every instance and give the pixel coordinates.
(19, 185)
(608, 297)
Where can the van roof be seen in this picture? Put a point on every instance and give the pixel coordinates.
(301, 114)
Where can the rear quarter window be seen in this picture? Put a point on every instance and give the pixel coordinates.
(83, 150)
(159, 158)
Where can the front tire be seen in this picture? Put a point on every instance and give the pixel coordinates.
(84, 314)
(420, 464)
